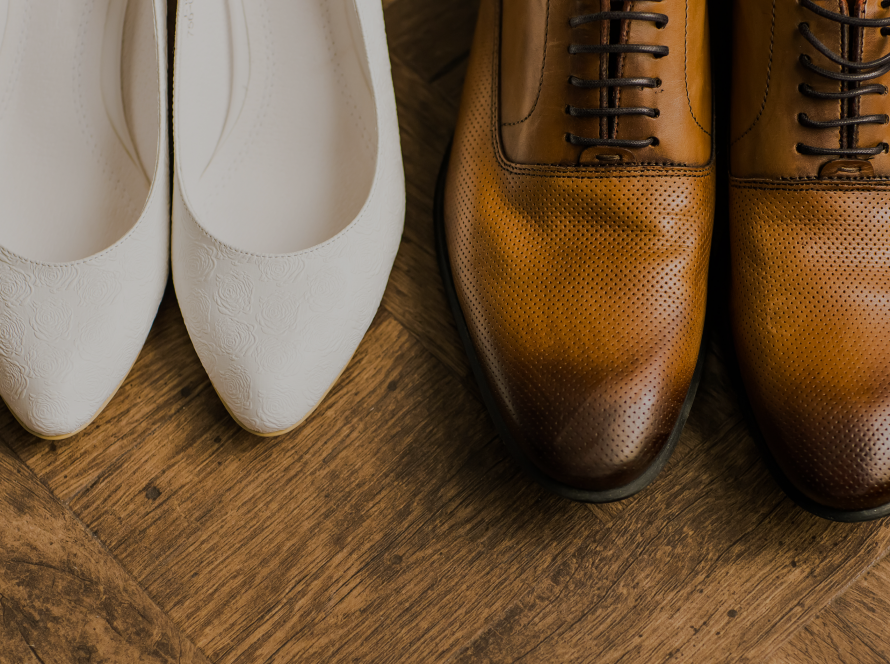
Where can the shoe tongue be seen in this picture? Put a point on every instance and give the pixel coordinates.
(854, 7)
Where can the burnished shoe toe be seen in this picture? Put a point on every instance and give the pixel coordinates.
(613, 438)
(835, 452)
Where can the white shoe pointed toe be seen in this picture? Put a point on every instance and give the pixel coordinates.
(289, 200)
(84, 222)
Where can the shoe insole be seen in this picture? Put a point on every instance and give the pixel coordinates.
(78, 123)
(276, 124)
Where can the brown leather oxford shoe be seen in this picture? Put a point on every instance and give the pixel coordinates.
(574, 226)
(810, 234)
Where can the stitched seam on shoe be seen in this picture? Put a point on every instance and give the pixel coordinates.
(342, 235)
(806, 179)
(769, 78)
(85, 261)
(685, 69)
(877, 179)
(541, 80)
(858, 189)
(830, 186)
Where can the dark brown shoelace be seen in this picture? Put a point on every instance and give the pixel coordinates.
(851, 77)
(615, 49)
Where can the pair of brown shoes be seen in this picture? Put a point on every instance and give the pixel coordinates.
(574, 226)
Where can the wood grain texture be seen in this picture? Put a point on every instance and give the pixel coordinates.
(63, 597)
(855, 629)
(394, 527)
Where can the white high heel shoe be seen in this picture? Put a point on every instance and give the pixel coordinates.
(290, 198)
(84, 202)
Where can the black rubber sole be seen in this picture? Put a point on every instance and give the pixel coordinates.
(559, 488)
(796, 495)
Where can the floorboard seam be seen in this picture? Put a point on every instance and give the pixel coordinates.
(829, 605)
(116, 461)
(107, 552)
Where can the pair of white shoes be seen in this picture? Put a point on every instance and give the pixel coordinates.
(288, 199)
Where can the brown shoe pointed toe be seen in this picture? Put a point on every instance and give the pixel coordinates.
(613, 438)
(574, 223)
(810, 199)
(833, 456)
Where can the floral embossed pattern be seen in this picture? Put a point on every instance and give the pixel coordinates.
(15, 285)
(272, 336)
(66, 327)
(70, 333)
(275, 332)
(51, 319)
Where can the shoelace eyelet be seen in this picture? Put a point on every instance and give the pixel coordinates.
(855, 76)
(603, 84)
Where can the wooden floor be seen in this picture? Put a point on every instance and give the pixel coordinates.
(393, 527)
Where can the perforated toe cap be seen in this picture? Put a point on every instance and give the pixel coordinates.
(610, 437)
(837, 461)
(810, 299)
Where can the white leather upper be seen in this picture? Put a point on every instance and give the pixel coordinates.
(274, 331)
(70, 331)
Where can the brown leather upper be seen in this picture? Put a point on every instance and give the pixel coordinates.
(583, 287)
(811, 305)
(766, 98)
(811, 284)
(536, 65)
